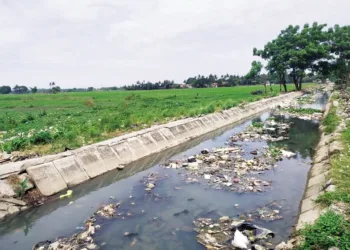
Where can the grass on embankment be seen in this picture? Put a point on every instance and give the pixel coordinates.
(47, 123)
(331, 121)
(333, 229)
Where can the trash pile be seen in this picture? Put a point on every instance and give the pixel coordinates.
(225, 168)
(270, 131)
(227, 233)
(269, 212)
(81, 240)
(115, 210)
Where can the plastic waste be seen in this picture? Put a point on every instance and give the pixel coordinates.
(68, 194)
(240, 240)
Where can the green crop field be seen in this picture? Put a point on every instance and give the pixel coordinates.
(48, 123)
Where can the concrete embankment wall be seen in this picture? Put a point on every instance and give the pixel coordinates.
(55, 173)
(318, 181)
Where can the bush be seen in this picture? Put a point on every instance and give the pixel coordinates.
(330, 230)
(331, 121)
(41, 137)
(256, 92)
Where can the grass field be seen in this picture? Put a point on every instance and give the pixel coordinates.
(47, 123)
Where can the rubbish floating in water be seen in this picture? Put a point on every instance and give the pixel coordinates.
(269, 212)
(68, 194)
(226, 233)
(182, 212)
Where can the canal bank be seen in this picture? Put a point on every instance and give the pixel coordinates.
(55, 173)
(162, 218)
(324, 222)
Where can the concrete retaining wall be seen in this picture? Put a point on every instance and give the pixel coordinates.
(55, 173)
(318, 179)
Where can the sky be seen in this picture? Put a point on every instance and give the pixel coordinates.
(101, 43)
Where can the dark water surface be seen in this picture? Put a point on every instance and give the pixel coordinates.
(153, 217)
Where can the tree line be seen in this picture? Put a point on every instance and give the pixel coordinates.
(297, 55)
(310, 50)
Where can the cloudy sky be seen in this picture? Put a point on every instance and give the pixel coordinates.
(81, 43)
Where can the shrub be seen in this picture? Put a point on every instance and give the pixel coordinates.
(330, 230)
(89, 103)
(331, 121)
(256, 92)
(41, 137)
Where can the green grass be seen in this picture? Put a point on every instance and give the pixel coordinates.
(330, 230)
(47, 123)
(306, 111)
(333, 229)
(331, 121)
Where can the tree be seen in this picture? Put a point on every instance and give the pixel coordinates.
(20, 89)
(295, 51)
(5, 89)
(52, 85)
(56, 89)
(34, 89)
(254, 73)
(90, 89)
(340, 48)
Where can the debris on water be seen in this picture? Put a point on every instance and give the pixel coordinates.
(231, 233)
(270, 131)
(182, 212)
(205, 151)
(269, 212)
(68, 194)
(108, 211)
(128, 234)
(81, 240)
(191, 159)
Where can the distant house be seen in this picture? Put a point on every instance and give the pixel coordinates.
(214, 85)
(185, 86)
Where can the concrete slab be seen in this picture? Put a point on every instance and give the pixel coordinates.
(71, 172)
(318, 179)
(166, 133)
(309, 203)
(308, 217)
(109, 157)
(314, 190)
(47, 178)
(89, 160)
(138, 148)
(124, 152)
(149, 143)
(321, 154)
(319, 168)
(6, 189)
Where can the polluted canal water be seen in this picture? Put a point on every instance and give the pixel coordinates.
(158, 208)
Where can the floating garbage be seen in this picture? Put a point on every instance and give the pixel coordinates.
(68, 194)
(231, 233)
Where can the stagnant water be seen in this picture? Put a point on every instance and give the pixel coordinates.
(153, 219)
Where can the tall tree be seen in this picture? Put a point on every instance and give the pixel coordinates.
(340, 47)
(5, 89)
(34, 89)
(298, 50)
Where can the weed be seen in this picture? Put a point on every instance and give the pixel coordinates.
(307, 111)
(21, 188)
(330, 230)
(275, 151)
(258, 124)
(326, 199)
(89, 103)
(331, 121)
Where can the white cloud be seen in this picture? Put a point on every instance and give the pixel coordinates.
(115, 42)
